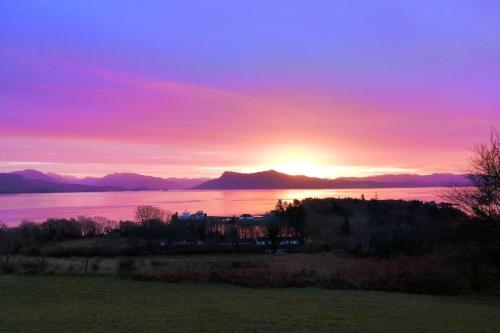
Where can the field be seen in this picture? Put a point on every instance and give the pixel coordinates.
(42, 303)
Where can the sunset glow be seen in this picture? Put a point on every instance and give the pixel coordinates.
(194, 88)
(239, 165)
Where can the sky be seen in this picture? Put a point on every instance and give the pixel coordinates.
(194, 88)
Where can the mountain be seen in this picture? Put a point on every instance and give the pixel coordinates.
(14, 183)
(62, 178)
(267, 180)
(275, 180)
(30, 181)
(33, 175)
(132, 181)
(187, 183)
(117, 181)
(412, 180)
(48, 177)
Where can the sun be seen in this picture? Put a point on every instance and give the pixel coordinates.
(299, 162)
(298, 167)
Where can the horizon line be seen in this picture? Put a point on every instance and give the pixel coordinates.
(66, 175)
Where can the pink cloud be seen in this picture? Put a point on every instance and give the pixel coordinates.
(104, 114)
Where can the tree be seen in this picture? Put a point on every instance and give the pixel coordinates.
(481, 200)
(151, 219)
(295, 215)
(280, 208)
(149, 213)
(273, 230)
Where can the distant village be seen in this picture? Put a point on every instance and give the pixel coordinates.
(201, 215)
(244, 230)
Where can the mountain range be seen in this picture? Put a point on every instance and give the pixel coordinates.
(276, 180)
(33, 181)
(14, 183)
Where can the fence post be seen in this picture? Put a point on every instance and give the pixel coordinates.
(86, 264)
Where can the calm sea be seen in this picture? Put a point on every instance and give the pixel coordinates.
(15, 208)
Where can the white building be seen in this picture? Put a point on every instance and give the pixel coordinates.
(185, 216)
(246, 217)
(199, 215)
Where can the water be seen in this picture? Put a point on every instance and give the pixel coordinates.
(15, 208)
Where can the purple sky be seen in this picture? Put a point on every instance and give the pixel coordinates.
(193, 88)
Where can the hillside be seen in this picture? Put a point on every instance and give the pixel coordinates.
(132, 181)
(12, 183)
(115, 181)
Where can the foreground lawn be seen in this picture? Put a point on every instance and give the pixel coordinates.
(38, 303)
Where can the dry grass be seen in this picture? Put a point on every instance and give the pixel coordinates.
(425, 274)
(431, 274)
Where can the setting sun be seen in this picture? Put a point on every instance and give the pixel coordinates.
(298, 160)
(304, 167)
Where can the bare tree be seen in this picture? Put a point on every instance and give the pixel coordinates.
(151, 220)
(481, 200)
(144, 214)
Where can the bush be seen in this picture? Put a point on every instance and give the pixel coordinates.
(6, 268)
(94, 266)
(126, 266)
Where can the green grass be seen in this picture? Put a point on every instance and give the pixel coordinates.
(41, 303)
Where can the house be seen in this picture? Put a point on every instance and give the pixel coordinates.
(246, 217)
(282, 241)
(185, 216)
(199, 215)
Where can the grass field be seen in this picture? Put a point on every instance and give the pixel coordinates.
(41, 303)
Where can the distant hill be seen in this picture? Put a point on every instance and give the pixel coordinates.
(14, 183)
(412, 180)
(132, 181)
(187, 183)
(34, 175)
(263, 180)
(62, 178)
(31, 181)
(275, 180)
(116, 181)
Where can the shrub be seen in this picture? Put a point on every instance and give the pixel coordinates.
(7, 268)
(94, 266)
(126, 266)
